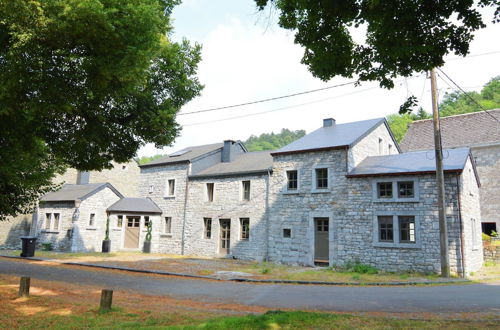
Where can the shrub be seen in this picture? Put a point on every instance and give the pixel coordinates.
(358, 267)
(46, 246)
(486, 237)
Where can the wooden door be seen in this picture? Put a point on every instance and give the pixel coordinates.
(225, 235)
(132, 233)
(321, 240)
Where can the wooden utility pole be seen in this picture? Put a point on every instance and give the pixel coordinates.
(443, 230)
(106, 300)
(24, 286)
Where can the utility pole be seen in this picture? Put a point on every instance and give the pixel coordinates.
(443, 230)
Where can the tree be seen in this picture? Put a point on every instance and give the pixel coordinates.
(273, 141)
(402, 36)
(82, 83)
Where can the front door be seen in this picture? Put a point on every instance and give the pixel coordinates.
(225, 235)
(132, 233)
(321, 240)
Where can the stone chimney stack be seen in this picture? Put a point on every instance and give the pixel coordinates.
(228, 151)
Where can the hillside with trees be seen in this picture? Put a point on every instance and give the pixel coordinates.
(272, 141)
(454, 103)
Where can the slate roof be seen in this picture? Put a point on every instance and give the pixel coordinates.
(247, 163)
(411, 163)
(137, 205)
(72, 192)
(336, 136)
(456, 131)
(193, 152)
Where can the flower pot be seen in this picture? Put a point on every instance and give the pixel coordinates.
(147, 247)
(106, 246)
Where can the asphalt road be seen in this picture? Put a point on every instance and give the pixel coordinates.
(446, 298)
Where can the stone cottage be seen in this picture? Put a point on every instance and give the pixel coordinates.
(481, 133)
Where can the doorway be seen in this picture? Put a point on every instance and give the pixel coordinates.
(321, 240)
(225, 236)
(132, 233)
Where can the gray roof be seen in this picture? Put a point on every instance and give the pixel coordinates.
(72, 192)
(247, 163)
(137, 205)
(191, 153)
(411, 163)
(464, 130)
(338, 135)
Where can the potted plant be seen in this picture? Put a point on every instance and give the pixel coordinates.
(147, 240)
(106, 243)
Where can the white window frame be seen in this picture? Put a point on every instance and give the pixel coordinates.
(116, 222)
(241, 229)
(242, 190)
(205, 192)
(395, 194)
(151, 188)
(167, 187)
(314, 182)
(47, 221)
(205, 219)
(54, 228)
(380, 146)
(164, 227)
(95, 219)
(396, 233)
(293, 191)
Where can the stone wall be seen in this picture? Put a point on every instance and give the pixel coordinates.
(13, 228)
(491, 253)
(488, 167)
(60, 237)
(227, 204)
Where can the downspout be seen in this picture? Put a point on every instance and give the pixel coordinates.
(185, 207)
(462, 238)
(266, 256)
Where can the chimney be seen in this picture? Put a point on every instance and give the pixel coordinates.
(228, 151)
(82, 177)
(328, 122)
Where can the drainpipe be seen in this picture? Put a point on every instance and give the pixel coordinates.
(185, 207)
(462, 238)
(266, 257)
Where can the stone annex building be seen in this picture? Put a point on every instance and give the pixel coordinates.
(342, 193)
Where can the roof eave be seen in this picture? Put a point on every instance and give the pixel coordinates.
(308, 150)
(165, 163)
(219, 175)
(364, 175)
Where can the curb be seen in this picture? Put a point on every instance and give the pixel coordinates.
(239, 279)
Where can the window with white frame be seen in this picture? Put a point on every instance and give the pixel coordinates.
(151, 188)
(380, 146)
(396, 230)
(92, 220)
(245, 185)
(210, 192)
(244, 229)
(321, 181)
(48, 217)
(292, 177)
(119, 221)
(57, 217)
(207, 228)
(167, 225)
(395, 190)
(170, 188)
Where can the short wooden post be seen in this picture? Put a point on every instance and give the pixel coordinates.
(24, 287)
(106, 300)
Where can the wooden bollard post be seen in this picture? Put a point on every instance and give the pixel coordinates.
(106, 300)
(24, 286)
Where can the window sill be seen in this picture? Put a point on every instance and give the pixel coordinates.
(91, 228)
(291, 192)
(50, 231)
(397, 200)
(321, 191)
(169, 197)
(397, 245)
(116, 229)
(166, 235)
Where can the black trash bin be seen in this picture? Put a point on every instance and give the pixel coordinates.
(29, 244)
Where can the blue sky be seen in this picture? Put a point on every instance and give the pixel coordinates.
(247, 57)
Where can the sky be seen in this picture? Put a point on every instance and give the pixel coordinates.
(246, 57)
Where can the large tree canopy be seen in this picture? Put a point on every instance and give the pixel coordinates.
(84, 82)
(402, 36)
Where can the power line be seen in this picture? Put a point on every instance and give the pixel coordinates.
(467, 94)
(473, 55)
(269, 99)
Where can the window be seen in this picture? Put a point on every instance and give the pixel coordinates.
(92, 220)
(119, 221)
(244, 228)
(384, 189)
(321, 225)
(287, 233)
(150, 188)
(124, 167)
(167, 225)
(321, 178)
(474, 233)
(146, 221)
(405, 189)
(246, 190)
(47, 221)
(170, 188)
(56, 221)
(292, 180)
(380, 146)
(385, 228)
(210, 192)
(406, 229)
(207, 228)
(389, 149)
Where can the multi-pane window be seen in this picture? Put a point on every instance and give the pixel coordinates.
(207, 228)
(210, 192)
(287, 233)
(92, 219)
(405, 189)
(170, 188)
(322, 225)
(244, 228)
(146, 221)
(119, 221)
(384, 189)
(406, 229)
(246, 190)
(292, 180)
(321, 178)
(385, 229)
(167, 225)
(56, 221)
(48, 216)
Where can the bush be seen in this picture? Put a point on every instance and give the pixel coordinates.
(486, 237)
(46, 246)
(360, 268)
